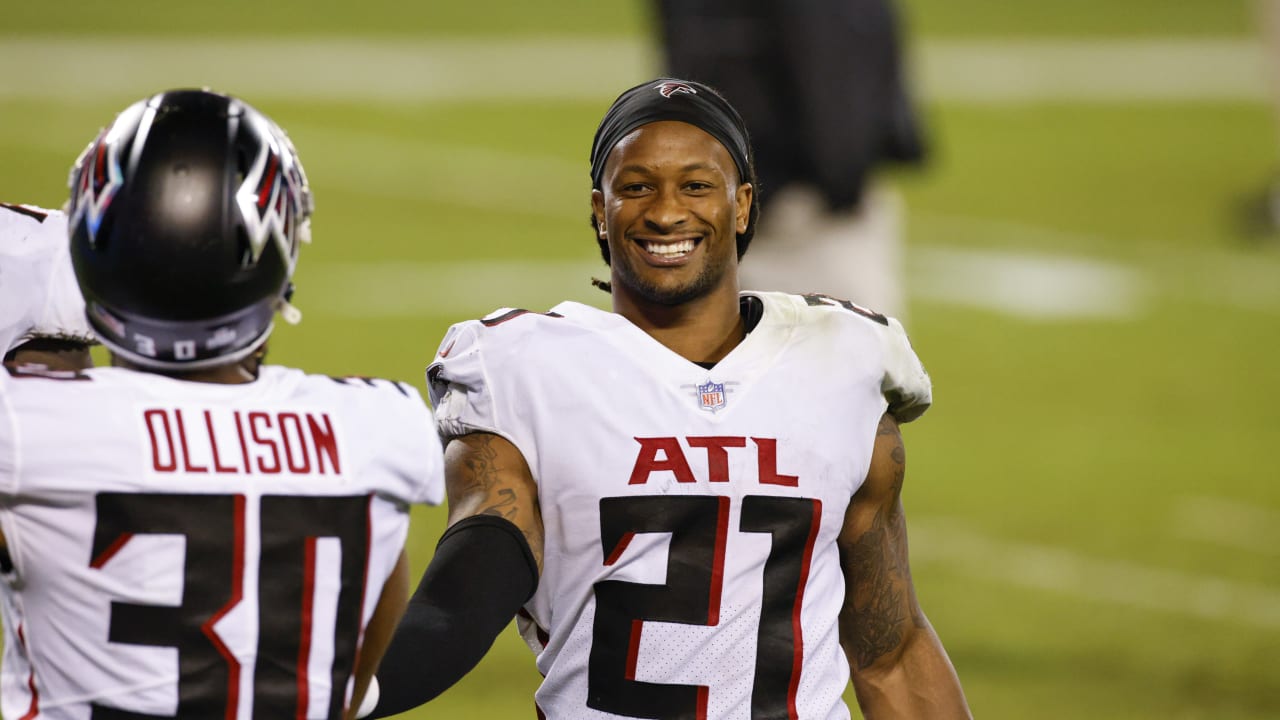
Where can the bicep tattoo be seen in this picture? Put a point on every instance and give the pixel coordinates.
(481, 477)
(488, 483)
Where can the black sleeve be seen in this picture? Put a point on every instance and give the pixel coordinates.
(481, 574)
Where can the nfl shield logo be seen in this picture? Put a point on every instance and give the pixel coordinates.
(711, 395)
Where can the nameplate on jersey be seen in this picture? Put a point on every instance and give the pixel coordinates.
(194, 440)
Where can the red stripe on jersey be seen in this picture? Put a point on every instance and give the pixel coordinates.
(105, 556)
(304, 642)
(717, 569)
(633, 648)
(620, 548)
(702, 702)
(237, 592)
(34, 709)
(364, 583)
(797, 629)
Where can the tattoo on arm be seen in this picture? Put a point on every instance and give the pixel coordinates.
(876, 604)
(482, 478)
(880, 601)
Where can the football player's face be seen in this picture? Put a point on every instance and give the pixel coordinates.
(671, 207)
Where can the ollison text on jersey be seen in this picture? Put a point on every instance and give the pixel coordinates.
(196, 440)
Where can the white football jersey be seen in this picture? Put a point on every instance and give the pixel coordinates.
(691, 515)
(197, 550)
(39, 296)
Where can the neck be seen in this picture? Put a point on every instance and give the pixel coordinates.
(244, 371)
(703, 330)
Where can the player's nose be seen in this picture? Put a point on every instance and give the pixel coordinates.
(666, 210)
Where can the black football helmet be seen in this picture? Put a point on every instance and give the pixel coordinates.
(185, 218)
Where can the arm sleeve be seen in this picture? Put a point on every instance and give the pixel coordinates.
(481, 574)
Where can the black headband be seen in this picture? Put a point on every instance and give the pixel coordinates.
(669, 99)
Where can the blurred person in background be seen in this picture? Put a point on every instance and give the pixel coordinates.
(41, 312)
(191, 532)
(821, 86)
(692, 503)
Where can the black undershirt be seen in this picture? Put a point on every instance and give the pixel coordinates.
(751, 309)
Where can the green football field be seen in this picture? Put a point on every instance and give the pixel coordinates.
(1093, 501)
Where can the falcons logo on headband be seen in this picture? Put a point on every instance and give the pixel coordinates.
(667, 89)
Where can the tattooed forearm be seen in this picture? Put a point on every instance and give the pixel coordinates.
(875, 609)
(879, 609)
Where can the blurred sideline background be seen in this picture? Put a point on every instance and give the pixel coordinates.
(1093, 283)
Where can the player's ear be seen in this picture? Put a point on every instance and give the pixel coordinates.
(597, 209)
(744, 195)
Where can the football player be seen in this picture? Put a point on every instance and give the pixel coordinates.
(191, 532)
(41, 312)
(822, 87)
(693, 503)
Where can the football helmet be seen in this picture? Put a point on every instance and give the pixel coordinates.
(185, 217)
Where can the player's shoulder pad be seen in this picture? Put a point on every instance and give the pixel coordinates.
(374, 397)
(457, 360)
(468, 348)
(457, 381)
(361, 381)
(17, 222)
(906, 385)
(818, 300)
(398, 423)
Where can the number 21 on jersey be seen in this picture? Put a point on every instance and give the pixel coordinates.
(695, 566)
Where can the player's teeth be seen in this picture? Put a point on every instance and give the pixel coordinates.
(670, 249)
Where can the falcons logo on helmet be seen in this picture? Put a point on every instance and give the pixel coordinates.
(96, 178)
(269, 198)
(667, 89)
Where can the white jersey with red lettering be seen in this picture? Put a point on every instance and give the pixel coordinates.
(691, 515)
(197, 550)
(39, 296)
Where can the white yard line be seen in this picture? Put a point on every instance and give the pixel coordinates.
(1022, 285)
(1227, 523)
(574, 68)
(1036, 286)
(461, 290)
(1216, 275)
(1115, 582)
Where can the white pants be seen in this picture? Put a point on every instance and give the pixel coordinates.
(801, 247)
